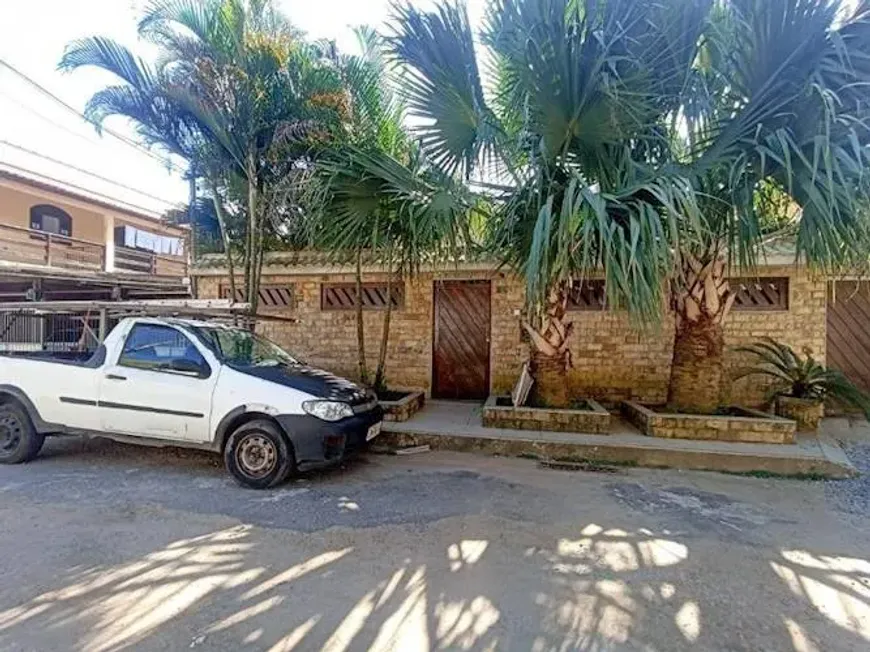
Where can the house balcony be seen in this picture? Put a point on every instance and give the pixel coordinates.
(31, 247)
(146, 262)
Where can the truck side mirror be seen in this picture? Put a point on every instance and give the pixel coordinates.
(188, 366)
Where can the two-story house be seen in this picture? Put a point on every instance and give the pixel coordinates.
(60, 242)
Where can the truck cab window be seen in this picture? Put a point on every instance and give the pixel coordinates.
(159, 348)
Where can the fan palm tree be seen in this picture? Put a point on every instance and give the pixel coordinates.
(375, 123)
(237, 92)
(777, 119)
(573, 98)
(640, 140)
(381, 196)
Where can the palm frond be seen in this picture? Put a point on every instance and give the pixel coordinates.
(786, 77)
(443, 85)
(375, 200)
(111, 56)
(217, 24)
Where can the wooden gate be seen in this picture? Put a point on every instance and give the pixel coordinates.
(849, 330)
(460, 356)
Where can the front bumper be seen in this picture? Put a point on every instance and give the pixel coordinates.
(320, 443)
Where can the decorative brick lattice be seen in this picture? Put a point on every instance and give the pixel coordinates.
(587, 295)
(766, 293)
(342, 296)
(271, 296)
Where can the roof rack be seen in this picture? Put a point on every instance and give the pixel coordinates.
(206, 309)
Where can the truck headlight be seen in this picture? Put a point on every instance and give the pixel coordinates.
(328, 410)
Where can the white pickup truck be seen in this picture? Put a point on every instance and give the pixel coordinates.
(176, 382)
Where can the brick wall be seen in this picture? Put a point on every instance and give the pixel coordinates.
(802, 325)
(613, 360)
(327, 338)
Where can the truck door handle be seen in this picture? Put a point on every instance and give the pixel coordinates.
(115, 377)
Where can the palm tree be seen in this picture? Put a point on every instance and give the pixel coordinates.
(573, 98)
(376, 124)
(380, 197)
(640, 140)
(237, 92)
(776, 110)
(401, 210)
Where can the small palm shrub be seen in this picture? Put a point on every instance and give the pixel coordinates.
(802, 377)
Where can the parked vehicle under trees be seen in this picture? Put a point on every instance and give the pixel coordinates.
(192, 384)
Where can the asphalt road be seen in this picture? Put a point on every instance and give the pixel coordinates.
(106, 547)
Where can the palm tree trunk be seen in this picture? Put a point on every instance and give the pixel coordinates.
(550, 355)
(380, 374)
(225, 238)
(254, 241)
(246, 271)
(191, 221)
(246, 254)
(360, 325)
(550, 374)
(702, 300)
(696, 369)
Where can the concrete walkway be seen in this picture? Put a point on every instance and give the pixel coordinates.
(448, 425)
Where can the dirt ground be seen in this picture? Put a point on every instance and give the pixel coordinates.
(107, 547)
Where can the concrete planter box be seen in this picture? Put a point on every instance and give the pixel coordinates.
(743, 425)
(592, 419)
(806, 412)
(404, 408)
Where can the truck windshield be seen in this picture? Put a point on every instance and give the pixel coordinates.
(241, 347)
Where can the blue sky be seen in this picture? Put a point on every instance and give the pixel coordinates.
(33, 34)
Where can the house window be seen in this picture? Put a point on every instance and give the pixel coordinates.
(587, 295)
(764, 293)
(50, 219)
(342, 296)
(271, 296)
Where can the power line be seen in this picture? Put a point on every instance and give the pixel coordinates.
(32, 112)
(68, 107)
(124, 139)
(88, 172)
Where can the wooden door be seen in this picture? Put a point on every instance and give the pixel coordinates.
(460, 361)
(849, 330)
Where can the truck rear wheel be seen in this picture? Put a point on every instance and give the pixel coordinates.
(19, 441)
(258, 455)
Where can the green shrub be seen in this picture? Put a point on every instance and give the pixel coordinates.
(801, 377)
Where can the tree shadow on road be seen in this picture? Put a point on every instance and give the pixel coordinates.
(596, 587)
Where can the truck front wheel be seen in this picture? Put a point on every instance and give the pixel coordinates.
(258, 455)
(19, 441)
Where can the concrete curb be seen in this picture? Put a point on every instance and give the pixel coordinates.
(830, 462)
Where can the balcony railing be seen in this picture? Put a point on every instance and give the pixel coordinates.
(22, 245)
(40, 248)
(136, 260)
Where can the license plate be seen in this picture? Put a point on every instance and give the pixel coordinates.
(374, 431)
